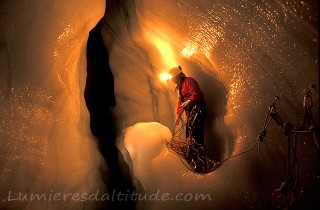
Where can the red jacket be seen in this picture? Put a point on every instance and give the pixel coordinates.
(190, 90)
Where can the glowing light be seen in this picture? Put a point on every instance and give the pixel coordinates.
(168, 55)
(166, 51)
(164, 77)
(188, 51)
(160, 40)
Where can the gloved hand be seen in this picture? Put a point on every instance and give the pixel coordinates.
(184, 104)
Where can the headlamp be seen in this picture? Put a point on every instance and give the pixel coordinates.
(165, 77)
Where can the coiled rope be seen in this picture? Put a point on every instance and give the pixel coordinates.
(182, 147)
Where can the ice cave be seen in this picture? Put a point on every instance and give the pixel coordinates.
(85, 119)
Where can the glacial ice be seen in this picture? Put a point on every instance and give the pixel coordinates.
(243, 53)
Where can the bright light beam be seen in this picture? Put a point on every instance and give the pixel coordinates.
(167, 55)
(164, 77)
(166, 51)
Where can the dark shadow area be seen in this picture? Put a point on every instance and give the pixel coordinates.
(99, 97)
(290, 172)
(217, 135)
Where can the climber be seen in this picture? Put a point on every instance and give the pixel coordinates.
(192, 101)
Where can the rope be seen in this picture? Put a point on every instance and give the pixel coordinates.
(181, 159)
(182, 147)
(288, 189)
(241, 152)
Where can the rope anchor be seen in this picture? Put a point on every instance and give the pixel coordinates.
(288, 189)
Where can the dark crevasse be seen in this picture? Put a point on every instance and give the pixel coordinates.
(99, 96)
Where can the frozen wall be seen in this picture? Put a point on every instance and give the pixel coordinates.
(46, 143)
(243, 53)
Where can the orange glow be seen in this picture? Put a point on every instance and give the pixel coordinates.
(188, 51)
(164, 77)
(166, 52)
(161, 42)
(168, 55)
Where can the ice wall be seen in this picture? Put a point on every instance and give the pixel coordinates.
(243, 53)
(46, 144)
